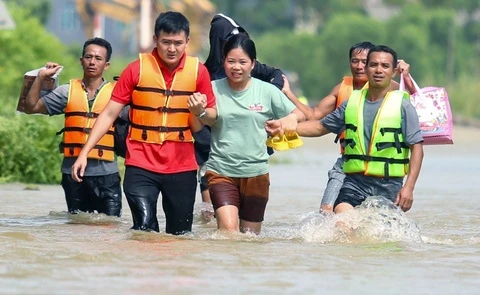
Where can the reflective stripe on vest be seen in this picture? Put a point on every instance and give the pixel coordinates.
(79, 120)
(387, 155)
(159, 114)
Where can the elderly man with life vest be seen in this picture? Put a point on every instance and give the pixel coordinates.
(160, 154)
(382, 129)
(341, 92)
(81, 101)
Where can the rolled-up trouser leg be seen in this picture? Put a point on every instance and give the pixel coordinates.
(334, 184)
(141, 188)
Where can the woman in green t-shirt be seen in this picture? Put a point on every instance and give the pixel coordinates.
(237, 168)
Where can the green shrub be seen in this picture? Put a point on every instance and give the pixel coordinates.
(29, 150)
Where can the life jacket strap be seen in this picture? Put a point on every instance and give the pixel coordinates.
(82, 114)
(166, 92)
(162, 109)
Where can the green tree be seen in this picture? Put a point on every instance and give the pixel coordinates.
(29, 147)
(268, 15)
(39, 9)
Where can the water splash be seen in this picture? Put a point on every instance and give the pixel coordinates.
(204, 213)
(376, 220)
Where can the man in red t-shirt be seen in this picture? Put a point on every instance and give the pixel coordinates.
(159, 87)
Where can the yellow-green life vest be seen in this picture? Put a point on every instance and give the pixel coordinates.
(388, 154)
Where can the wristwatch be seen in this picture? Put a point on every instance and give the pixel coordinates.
(202, 114)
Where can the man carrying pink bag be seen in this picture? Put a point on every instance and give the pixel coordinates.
(434, 113)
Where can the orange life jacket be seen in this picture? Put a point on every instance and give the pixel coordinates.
(159, 114)
(346, 89)
(79, 120)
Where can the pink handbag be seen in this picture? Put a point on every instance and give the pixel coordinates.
(434, 113)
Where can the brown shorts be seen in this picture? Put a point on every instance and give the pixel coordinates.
(249, 195)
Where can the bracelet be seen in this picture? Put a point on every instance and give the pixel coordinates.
(202, 114)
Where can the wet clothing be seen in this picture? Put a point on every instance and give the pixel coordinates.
(95, 193)
(248, 194)
(238, 155)
(361, 184)
(100, 189)
(221, 28)
(202, 149)
(142, 188)
(336, 177)
(169, 168)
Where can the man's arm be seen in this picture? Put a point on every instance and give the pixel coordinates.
(311, 129)
(404, 69)
(405, 197)
(326, 105)
(306, 110)
(34, 105)
(323, 108)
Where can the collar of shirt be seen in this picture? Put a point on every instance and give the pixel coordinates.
(98, 89)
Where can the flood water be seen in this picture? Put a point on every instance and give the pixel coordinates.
(432, 249)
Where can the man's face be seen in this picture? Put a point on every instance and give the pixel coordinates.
(380, 70)
(171, 47)
(357, 65)
(94, 61)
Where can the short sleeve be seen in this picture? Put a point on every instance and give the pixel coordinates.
(335, 121)
(56, 101)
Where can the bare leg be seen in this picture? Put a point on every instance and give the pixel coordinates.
(248, 226)
(206, 196)
(227, 218)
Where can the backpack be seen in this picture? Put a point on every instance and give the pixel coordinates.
(120, 136)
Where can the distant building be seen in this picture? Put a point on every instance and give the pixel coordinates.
(65, 23)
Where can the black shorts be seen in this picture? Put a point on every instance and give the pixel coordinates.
(349, 196)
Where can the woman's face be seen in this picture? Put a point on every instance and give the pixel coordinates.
(238, 65)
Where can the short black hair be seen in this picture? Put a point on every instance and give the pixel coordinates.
(360, 47)
(100, 42)
(172, 22)
(383, 48)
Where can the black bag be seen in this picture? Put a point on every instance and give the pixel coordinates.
(120, 136)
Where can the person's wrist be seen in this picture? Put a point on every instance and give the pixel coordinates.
(202, 114)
